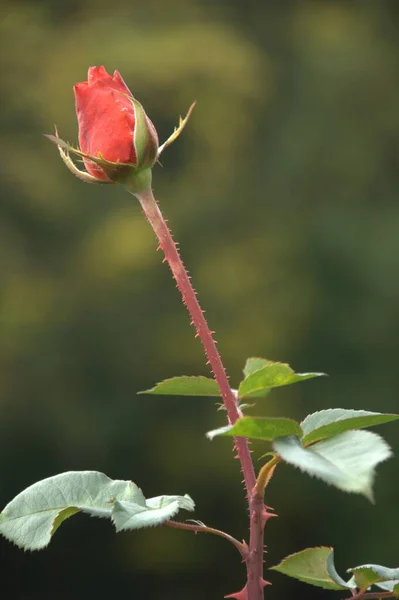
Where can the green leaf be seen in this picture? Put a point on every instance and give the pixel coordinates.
(63, 516)
(254, 364)
(32, 517)
(316, 566)
(130, 515)
(390, 586)
(251, 366)
(259, 428)
(366, 575)
(258, 381)
(311, 566)
(347, 460)
(326, 423)
(185, 386)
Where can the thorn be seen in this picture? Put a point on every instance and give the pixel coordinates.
(242, 595)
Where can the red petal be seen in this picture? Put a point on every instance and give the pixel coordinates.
(119, 79)
(106, 119)
(96, 73)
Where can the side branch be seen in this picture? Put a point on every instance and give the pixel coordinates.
(202, 528)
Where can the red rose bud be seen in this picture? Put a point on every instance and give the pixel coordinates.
(113, 125)
(118, 142)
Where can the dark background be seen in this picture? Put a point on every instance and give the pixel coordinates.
(283, 194)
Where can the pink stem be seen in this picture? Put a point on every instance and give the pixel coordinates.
(258, 518)
(189, 296)
(254, 563)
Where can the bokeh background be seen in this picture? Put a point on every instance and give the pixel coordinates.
(283, 195)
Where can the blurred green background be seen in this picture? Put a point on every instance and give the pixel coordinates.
(283, 195)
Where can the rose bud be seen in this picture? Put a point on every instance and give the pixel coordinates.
(113, 125)
(118, 142)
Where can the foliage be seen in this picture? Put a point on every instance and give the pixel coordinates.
(31, 519)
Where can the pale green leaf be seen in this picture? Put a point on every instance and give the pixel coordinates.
(347, 460)
(260, 428)
(258, 381)
(129, 515)
(316, 566)
(33, 516)
(390, 586)
(366, 575)
(334, 575)
(310, 566)
(326, 423)
(185, 386)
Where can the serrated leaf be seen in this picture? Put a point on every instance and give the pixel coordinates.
(129, 515)
(310, 566)
(326, 423)
(347, 460)
(185, 386)
(260, 428)
(367, 575)
(258, 381)
(32, 517)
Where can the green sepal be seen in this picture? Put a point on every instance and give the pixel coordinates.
(177, 130)
(136, 179)
(145, 139)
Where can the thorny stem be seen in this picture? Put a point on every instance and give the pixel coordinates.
(258, 514)
(188, 293)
